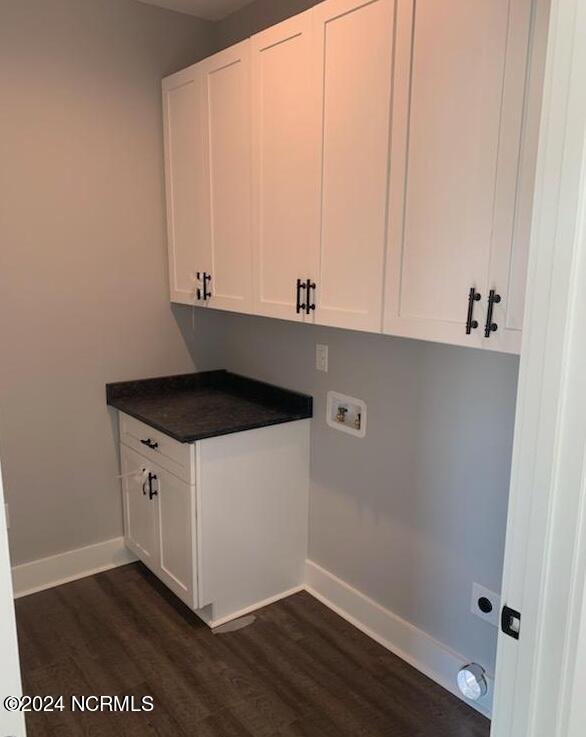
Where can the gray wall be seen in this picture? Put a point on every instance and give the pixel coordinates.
(416, 512)
(83, 283)
(255, 17)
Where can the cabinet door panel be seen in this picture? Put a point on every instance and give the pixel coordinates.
(285, 164)
(355, 58)
(187, 192)
(227, 148)
(139, 512)
(443, 194)
(515, 180)
(175, 505)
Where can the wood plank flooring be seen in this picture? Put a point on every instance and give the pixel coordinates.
(298, 671)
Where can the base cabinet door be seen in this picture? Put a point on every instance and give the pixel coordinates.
(174, 507)
(354, 63)
(285, 167)
(139, 512)
(458, 106)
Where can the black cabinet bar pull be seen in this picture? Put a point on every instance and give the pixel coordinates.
(206, 293)
(491, 327)
(309, 285)
(299, 306)
(150, 444)
(203, 294)
(153, 492)
(473, 297)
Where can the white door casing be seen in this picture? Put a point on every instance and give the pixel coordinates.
(545, 559)
(11, 722)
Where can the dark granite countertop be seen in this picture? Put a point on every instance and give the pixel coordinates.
(202, 405)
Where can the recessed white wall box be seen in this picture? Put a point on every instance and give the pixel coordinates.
(485, 604)
(347, 414)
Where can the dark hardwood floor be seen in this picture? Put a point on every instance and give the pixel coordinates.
(298, 671)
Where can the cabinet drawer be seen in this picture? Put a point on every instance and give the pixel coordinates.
(157, 447)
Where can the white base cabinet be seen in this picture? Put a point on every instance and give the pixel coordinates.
(160, 524)
(235, 538)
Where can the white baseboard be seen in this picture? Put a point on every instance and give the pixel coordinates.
(411, 644)
(45, 573)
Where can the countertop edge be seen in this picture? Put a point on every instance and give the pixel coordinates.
(190, 439)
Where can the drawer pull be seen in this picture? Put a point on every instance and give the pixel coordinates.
(150, 444)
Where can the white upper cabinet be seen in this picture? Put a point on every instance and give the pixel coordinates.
(367, 164)
(354, 63)
(187, 190)
(286, 174)
(227, 147)
(459, 94)
(207, 151)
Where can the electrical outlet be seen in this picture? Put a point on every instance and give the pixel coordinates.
(321, 358)
(486, 604)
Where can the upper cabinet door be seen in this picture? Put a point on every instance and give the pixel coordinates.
(354, 62)
(186, 186)
(515, 181)
(456, 128)
(285, 165)
(227, 148)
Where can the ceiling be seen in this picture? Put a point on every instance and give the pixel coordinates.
(209, 9)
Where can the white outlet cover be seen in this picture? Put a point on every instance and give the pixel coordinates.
(480, 592)
(321, 358)
(354, 408)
